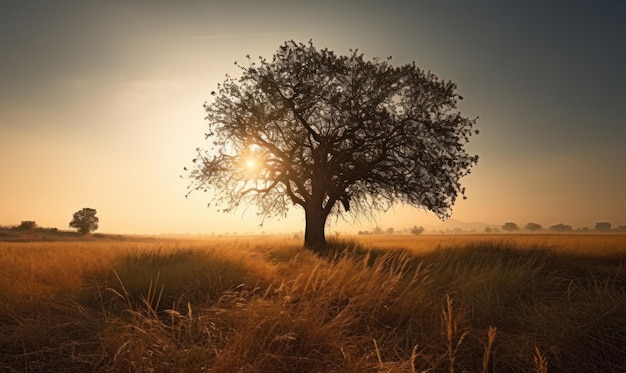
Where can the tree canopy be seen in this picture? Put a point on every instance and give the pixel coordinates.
(561, 228)
(533, 227)
(333, 134)
(85, 220)
(417, 230)
(510, 226)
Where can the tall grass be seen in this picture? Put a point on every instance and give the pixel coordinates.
(270, 306)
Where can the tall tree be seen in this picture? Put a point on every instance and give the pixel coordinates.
(85, 220)
(333, 134)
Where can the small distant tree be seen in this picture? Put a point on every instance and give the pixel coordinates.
(533, 227)
(621, 227)
(417, 230)
(27, 225)
(390, 230)
(510, 227)
(487, 230)
(603, 226)
(85, 220)
(561, 228)
(377, 230)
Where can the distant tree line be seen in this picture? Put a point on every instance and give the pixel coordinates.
(378, 230)
(533, 227)
(84, 221)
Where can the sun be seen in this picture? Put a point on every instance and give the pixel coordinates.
(251, 164)
(250, 160)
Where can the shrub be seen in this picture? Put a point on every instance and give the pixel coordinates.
(27, 225)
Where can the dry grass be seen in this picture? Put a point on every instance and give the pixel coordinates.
(594, 244)
(265, 305)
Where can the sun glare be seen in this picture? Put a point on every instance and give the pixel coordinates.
(251, 164)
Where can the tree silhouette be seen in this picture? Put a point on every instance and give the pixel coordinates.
(603, 226)
(533, 227)
(333, 134)
(561, 228)
(26, 225)
(510, 227)
(417, 230)
(85, 220)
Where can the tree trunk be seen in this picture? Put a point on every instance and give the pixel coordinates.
(314, 236)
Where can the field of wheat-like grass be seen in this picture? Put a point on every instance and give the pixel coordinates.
(457, 303)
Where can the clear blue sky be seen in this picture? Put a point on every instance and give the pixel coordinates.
(101, 102)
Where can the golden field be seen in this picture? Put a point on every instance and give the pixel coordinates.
(592, 243)
(388, 303)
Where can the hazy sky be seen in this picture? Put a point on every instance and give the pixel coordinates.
(101, 103)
